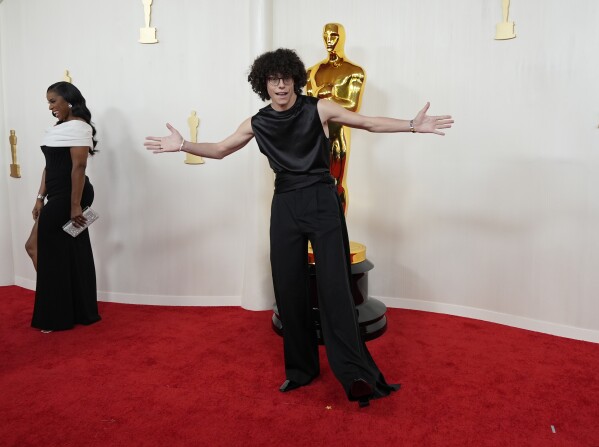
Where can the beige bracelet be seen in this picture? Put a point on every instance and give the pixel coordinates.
(181, 145)
(412, 126)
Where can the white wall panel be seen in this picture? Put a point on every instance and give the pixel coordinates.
(499, 215)
(166, 228)
(497, 220)
(7, 183)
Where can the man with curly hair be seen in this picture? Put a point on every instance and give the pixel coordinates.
(292, 131)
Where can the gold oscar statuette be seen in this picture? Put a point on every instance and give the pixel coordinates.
(193, 121)
(67, 77)
(15, 169)
(505, 30)
(335, 78)
(147, 34)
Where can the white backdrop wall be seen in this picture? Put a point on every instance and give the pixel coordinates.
(500, 215)
(496, 220)
(169, 232)
(7, 272)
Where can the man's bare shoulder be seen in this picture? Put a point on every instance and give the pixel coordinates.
(327, 108)
(246, 125)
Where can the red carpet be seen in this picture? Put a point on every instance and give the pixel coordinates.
(173, 376)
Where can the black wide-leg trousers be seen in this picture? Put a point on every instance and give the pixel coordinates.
(314, 213)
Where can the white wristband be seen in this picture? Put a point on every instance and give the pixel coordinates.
(181, 145)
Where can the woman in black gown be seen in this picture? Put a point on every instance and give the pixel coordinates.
(66, 279)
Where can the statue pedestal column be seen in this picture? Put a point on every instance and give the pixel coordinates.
(505, 31)
(147, 35)
(371, 312)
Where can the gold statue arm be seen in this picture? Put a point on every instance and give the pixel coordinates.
(346, 93)
(309, 84)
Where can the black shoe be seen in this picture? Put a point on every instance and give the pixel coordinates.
(289, 385)
(361, 391)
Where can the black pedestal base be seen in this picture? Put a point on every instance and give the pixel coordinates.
(371, 312)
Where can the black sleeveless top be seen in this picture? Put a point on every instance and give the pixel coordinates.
(294, 143)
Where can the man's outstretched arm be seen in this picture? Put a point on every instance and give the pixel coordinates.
(422, 123)
(175, 143)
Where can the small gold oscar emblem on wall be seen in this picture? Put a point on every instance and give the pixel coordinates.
(147, 34)
(67, 77)
(193, 121)
(15, 169)
(505, 29)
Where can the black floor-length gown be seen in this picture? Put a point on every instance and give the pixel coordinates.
(66, 278)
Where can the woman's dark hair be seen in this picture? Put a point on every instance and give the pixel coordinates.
(281, 62)
(73, 96)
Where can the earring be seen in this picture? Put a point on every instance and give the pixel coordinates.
(70, 106)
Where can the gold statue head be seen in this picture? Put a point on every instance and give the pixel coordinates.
(333, 35)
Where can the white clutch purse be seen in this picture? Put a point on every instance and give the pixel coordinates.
(74, 231)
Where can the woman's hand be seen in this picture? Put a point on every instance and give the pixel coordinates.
(170, 143)
(77, 216)
(431, 124)
(37, 209)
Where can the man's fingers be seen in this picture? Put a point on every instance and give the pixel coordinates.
(155, 144)
(443, 122)
(152, 144)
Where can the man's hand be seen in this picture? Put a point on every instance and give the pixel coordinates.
(431, 124)
(170, 143)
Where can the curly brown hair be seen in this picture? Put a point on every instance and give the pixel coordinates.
(282, 62)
